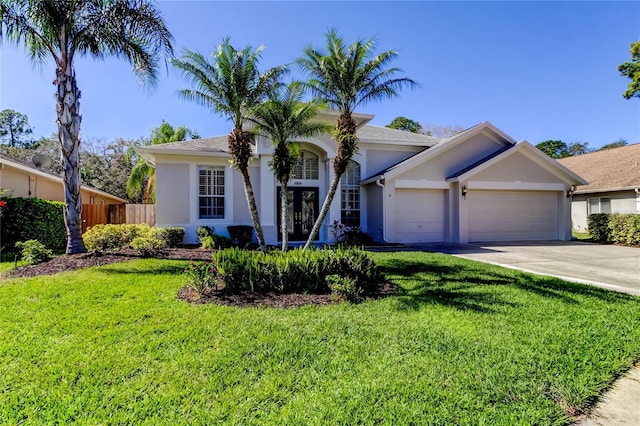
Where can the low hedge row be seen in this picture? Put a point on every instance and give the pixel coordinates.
(115, 237)
(615, 228)
(26, 219)
(294, 271)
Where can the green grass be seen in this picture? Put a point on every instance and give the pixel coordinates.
(582, 236)
(463, 343)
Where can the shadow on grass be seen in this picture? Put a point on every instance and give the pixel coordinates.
(465, 285)
(128, 269)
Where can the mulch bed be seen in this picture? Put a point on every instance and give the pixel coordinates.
(245, 299)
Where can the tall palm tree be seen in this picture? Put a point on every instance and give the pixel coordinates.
(63, 29)
(232, 85)
(346, 77)
(143, 175)
(285, 118)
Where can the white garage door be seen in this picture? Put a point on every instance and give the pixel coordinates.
(512, 215)
(419, 215)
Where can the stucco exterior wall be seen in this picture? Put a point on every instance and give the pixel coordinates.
(172, 195)
(451, 161)
(378, 160)
(517, 167)
(241, 215)
(375, 214)
(621, 202)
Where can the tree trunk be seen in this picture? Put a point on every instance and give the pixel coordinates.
(323, 211)
(253, 209)
(346, 147)
(68, 112)
(283, 216)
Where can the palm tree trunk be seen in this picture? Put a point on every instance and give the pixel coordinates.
(253, 209)
(283, 216)
(68, 111)
(347, 145)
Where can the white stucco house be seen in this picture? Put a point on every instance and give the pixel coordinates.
(478, 185)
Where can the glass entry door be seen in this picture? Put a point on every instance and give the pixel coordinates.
(302, 210)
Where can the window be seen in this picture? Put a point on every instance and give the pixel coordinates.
(211, 192)
(306, 167)
(350, 193)
(599, 205)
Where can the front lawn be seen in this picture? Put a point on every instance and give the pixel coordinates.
(463, 343)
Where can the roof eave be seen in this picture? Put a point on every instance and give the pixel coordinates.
(612, 189)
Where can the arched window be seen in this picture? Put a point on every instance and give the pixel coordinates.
(306, 167)
(350, 193)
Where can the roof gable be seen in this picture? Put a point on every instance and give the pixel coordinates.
(610, 169)
(528, 150)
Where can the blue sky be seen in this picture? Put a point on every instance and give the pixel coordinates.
(537, 70)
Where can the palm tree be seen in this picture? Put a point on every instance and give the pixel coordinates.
(232, 85)
(143, 175)
(285, 118)
(344, 78)
(61, 30)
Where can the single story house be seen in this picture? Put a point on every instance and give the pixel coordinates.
(478, 185)
(22, 179)
(614, 183)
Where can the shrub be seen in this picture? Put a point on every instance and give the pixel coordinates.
(598, 227)
(202, 276)
(172, 236)
(344, 288)
(216, 242)
(30, 219)
(205, 231)
(355, 236)
(241, 235)
(34, 252)
(116, 237)
(295, 270)
(148, 245)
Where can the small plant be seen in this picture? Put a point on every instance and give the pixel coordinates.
(242, 235)
(344, 288)
(148, 245)
(33, 252)
(216, 242)
(202, 276)
(204, 232)
(172, 236)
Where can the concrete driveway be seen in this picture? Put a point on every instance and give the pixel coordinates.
(608, 266)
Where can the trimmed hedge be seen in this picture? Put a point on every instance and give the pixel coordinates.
(294, 271)
(615, 228)
(32, 219)
(115, 237)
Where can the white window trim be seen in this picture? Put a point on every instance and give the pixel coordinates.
(194, 195)
(599, 204)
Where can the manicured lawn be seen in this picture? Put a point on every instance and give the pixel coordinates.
(464, 343)
(582, 236)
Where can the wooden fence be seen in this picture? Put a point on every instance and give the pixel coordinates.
(96, 214)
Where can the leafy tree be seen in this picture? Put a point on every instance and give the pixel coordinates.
(129, 29)
(631, 70)
(285, 118)
(579, 148)
(554, 148)
(616, 144)
(142, 177)
(441, 131)
(107, 167)
(232, 85)
(14, 127)
(346, 77)
(405, 124)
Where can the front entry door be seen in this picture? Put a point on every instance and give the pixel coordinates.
(302, 211)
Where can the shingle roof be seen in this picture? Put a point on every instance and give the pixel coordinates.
(216, 144)
(614, 168)
(378, 133)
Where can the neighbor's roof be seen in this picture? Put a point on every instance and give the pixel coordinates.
(607, 170)
(25, 166)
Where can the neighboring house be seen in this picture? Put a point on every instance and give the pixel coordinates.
(614, 183)
(21, 179)
(478, 185)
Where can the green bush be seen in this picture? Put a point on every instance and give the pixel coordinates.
(241, 235)
(295, 270)
(344, 288)
(34, 252)
(205, 231)
(615, 228)
(216, 242)
(172, 236)
(355, 236)
(148, 245)
(32, 219)
(599, 227)
(202, 276)
(116, 237)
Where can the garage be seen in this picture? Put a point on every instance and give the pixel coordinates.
(420, 215)
(513, 215)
